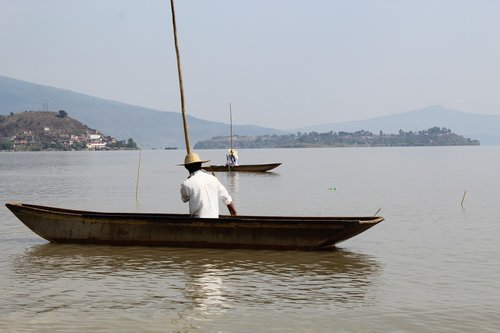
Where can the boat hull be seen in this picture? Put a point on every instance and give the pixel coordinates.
(179, 230)
(242, 168)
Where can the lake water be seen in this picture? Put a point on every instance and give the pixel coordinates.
(431, 266)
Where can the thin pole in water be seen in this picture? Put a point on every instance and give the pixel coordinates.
(463, 197)
(181, 86)
(138, 173)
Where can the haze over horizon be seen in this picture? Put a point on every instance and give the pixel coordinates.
(282, 64)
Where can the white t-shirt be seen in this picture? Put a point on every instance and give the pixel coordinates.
(203, 190)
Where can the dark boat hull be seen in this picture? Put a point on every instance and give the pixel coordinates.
(242, 168)
(179, 230)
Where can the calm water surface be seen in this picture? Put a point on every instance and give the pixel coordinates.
(431, 266)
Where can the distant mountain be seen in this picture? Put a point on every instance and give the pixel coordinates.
(149, 128)
(485, 128)
(157, 129)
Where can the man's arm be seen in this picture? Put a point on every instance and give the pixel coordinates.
(232, 209)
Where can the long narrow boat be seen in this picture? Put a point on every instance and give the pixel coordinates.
(61, 225)
(242, 168)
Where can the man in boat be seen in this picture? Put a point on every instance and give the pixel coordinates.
(232, 157)
(203, 190)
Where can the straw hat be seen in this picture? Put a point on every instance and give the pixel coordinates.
(233, 152)
(193, 158)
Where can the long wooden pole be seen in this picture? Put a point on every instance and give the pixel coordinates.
(181, 86)
(231, 124)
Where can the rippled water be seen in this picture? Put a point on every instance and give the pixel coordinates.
(432, 266)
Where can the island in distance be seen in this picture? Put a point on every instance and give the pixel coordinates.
(435, 136)
(46, 130)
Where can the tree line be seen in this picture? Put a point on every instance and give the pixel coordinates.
(435, 136)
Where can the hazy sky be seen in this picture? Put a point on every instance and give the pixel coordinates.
(281, 63)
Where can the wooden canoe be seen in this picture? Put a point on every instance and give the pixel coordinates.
(242, 168)
(61, 225)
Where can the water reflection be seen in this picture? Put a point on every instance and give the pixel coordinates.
(206, 281)
(233, 182)
(234, 178)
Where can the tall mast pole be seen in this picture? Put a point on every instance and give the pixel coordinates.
(181, 86)
(231, 124)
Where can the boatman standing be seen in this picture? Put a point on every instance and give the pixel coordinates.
(232, 157)
(203, 190)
